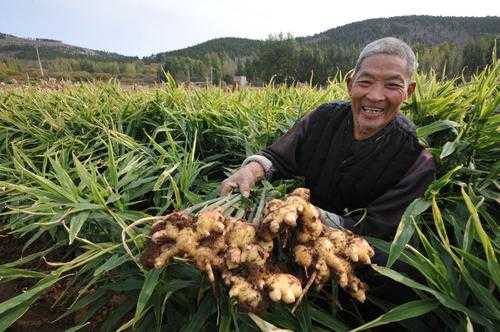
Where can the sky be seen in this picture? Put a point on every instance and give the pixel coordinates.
(145, 27)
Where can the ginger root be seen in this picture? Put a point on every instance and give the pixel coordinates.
(244, 292)
(284, 287)
(242, 253)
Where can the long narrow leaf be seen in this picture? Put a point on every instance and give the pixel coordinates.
(401, 312)
(491, 259)
(443, 298)
(405, 228)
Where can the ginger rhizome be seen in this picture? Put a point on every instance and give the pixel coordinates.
(241, 253)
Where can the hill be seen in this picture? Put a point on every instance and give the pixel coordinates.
(232, 47)
(24, 48)
(427, 30)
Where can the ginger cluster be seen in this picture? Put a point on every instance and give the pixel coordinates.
(242, 253)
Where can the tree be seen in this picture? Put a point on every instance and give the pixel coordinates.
(87, 65)
(278, 59)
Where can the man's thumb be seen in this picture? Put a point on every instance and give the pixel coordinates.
(245, 189)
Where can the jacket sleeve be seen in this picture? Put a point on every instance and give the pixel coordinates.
(384, 214)
(285, 153)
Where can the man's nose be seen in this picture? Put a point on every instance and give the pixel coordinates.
(376, 93)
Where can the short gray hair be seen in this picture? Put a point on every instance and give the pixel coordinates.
(389, 46)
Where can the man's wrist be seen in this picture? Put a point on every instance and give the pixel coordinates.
(265, 163)
(330, 219)
(256, 169)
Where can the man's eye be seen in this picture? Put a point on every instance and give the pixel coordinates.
(364, 83)
(393, 86)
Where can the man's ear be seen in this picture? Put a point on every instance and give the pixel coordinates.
(411, 89)
(349, 84)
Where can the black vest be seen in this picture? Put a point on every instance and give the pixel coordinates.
(342, 172)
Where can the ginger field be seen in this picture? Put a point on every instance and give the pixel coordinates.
(81, 164)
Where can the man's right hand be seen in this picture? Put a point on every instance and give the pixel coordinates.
(243, 179)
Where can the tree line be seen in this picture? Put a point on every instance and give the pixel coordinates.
(284, 59)
(281, 59)
(83, 69)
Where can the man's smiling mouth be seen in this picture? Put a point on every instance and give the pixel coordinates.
(372, 110)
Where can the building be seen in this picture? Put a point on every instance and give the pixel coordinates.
(240, 80)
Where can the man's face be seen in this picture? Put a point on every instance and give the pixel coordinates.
(377, 91)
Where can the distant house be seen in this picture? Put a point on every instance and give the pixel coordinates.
(240, 80)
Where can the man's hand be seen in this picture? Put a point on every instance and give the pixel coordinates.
(244, 179)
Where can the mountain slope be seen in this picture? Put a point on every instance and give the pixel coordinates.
(428, 30)
(24, 48)
(232, 47)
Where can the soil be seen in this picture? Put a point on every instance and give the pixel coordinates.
(41, 315)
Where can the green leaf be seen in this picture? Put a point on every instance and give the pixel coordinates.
(474, 261)
(205, 310)
(76, 224)
(327, 319)
(83, 302)
(77, 328)
(443, 298)
(483, 295)
(440, 226)
(405, 229)
(225, 323)
(148, 287)
(35, 236)
(63, 178)
(437, 126)
(432, 253)
(115, 261)
(448, 148)
(438, 184)
(112, 169)
(29, 258)
(163, 176)
(174, 285)
(93, 309)
(51, 187)
(468, 235)
(304, 317)
(13, 315)
(116, 315)
(89, 181)
(491, 259)
(265, 326)
(29, 294)
(401, 312)
(7, 273)
(282, 316)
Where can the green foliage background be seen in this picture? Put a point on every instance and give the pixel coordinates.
(80, 164)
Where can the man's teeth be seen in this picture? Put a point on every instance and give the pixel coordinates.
(372, 110)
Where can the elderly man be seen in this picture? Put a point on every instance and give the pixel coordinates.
(361, 154)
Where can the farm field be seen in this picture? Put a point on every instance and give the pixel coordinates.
(81, 163)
